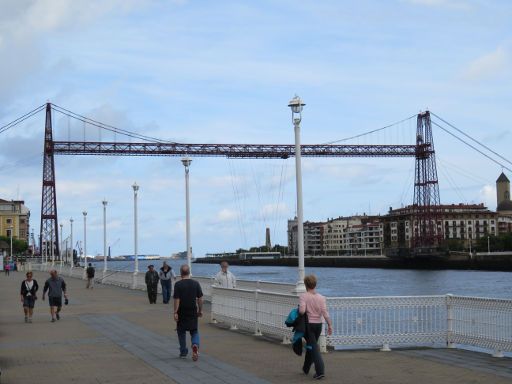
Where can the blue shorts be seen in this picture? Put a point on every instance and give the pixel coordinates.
(55, 301)
(29, 301)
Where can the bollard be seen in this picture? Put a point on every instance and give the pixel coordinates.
(385, 348)
(286, 340)
(498, 353)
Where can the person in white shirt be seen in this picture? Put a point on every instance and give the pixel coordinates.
(224, 278)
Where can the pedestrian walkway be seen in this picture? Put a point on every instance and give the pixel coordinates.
(113, 335)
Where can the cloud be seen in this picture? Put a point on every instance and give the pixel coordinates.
(273, 209)
(487, 195)
(488, 66)
(227, 215)
(457, 4)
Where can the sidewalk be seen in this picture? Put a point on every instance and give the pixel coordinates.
(112, 335)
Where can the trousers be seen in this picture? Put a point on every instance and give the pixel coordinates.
(313, 355)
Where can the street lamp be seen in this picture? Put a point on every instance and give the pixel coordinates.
(135, 235)
(61, 243)
(11, 228)
(85, 242)
(296, 106)
(186, 162)
(52, 250)
(71, 240)
(104, 202)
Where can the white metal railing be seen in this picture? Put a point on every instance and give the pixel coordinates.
(262, 307)
(480, 322)
(385, 322)
(255, 311)
(124, 278)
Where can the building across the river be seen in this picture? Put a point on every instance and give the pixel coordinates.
(362, 234)
(14, 219)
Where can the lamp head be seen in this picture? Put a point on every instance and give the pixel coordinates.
(84, 213)
(186, 161)
(296, 104)
(104, 202)
(135, 187)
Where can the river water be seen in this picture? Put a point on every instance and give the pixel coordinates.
(361, 281)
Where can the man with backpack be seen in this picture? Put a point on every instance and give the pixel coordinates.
(90, 276)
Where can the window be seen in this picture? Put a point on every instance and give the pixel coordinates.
(8, 233)
(8, 221)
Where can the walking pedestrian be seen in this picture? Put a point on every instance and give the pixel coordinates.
(90, 276)
(167, 276)
(315, 306)
(28, 294)
(188, 307)
(7, 269)
(152, 283)
(55, 286)
(225, 278)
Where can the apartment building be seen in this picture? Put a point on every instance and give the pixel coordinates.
(14, 219)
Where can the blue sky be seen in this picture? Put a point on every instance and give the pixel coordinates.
(215, 72)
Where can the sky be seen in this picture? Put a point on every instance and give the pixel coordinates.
(223, 72)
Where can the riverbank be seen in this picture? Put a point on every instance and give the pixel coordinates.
(481, 262)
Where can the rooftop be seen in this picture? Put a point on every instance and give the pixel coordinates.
(503, 179)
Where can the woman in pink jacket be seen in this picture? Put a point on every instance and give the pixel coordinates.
(315, 306)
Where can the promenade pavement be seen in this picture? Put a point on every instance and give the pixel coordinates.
(113, 335)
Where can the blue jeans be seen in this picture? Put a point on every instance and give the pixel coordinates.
(166, 290)
(182, 337)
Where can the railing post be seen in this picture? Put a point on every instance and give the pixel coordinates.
(257, 331)
(449, 321)
(385, 348)
(322, 341)
(213, 320)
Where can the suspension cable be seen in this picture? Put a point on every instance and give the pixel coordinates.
(472, 146)
(471, 138)
(107, 127)
(369, 132)
(21, 119)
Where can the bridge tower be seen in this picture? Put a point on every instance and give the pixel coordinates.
(49, 234)
(426, 205)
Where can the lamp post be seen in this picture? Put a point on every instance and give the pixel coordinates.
(186, 162)
(44, 249)
(61, 243)
(85, 242)
(296, 106)
(71, 240)
(104, 202)
(11, 228)
(135, 236)
(52, 250)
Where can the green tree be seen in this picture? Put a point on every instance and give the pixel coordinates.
(18, 246)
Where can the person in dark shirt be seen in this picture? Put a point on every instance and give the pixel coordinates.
(152, 280)
(90, 276)
(55, 286)
(188, 307)
(28, 292)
